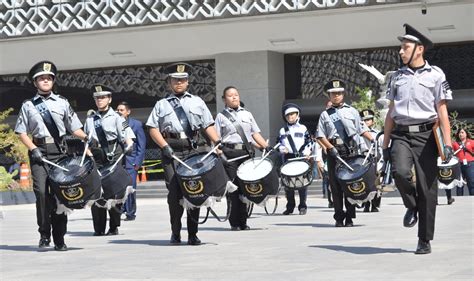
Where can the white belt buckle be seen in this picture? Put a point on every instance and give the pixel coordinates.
(339, 142)
(414, 129)
(182, 135)
(238, 146)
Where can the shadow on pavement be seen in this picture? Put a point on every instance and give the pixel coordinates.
(309, 224)
(29, 248)
(362, 250)
(154, 242)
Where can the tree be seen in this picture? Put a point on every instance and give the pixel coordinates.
(368, 101)
(10, 144)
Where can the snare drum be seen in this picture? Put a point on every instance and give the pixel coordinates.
(358, 185)
(258, 182)
(296, 174)
(114, 181)
(206, 181)
(74, 188)
(449, 174)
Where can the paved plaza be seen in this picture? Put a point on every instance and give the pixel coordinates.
(278, 247)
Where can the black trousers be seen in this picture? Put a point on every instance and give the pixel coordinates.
(46, 216)
(338, 197)
(175, 194)
(238, 212)
(418, 149)
(99, 215)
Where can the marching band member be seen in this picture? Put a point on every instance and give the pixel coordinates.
(237, 126)
(110, 132)
(339, 131)
(295, 141)
(174, 125)
(419, 94)
(368, 115)
(47, 117)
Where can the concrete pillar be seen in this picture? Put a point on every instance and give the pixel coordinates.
(259, 77)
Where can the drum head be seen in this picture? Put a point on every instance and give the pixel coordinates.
(294, 168)
(75, 170)
(453, 162)
(248, 171)
(198, 166)
(343, 172)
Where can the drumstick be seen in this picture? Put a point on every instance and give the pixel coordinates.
(212, 150)
(302, 157)
(116, 162)
(85, 148)
(456, 152)
(54, 164)
(368, 154)
(182, 163)
(263, 158)
(238, 158)
(268, 141)
(344, 162)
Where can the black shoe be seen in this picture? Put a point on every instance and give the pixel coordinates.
(99, 233)
(245, 227)
(60, 248)
(129, 219)
(339, 224)
(287, 212)
(423, 247)
(175, 239)
(374, 210)
(194, 240)
(349, 223)
(44, 242)
(450, 201)
(303, 211)
(366, 208)
(330, 205)
(112, 232)
(234, 228)
(410, 218)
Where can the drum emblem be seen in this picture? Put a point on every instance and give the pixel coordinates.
(356, 187)
(72, 193)
(445, 173)
(193, 186)
(254, 188)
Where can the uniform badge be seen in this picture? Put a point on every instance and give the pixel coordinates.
(47, 67)
(366, 113)
(336, 84)
(180, 68)
(98, 88)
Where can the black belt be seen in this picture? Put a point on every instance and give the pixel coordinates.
(181, 135)
(240, 146)
(45, 140)
(336, 141)
(418, 128)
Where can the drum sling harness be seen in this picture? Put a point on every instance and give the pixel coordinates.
(103, 138)
(48, 121)
(183, 119)
(292, 143)
(239, 129)
(336, 120)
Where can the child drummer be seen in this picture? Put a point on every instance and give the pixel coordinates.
(295, 141)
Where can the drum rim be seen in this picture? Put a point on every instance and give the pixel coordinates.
(193, 155)
(86, 174)
(348, 160)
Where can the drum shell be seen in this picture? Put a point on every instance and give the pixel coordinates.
(301, 180)
(199, 187)
(76, 193)
(361, 185)
(256, 191)
(450, 172)
(114, 182)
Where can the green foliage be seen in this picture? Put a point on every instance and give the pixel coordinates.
(10, 144)
(367, 101)
(457, 124)
(6, 179)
